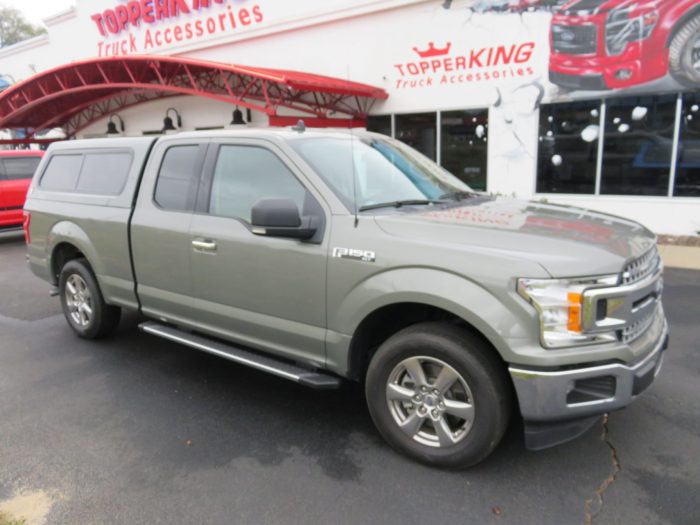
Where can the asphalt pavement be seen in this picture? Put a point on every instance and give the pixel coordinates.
(136, 430)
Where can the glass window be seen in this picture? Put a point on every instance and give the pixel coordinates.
(376, 170)
(19, 167)
(687, 183)
(638, 145)
(178, 178)
(62, 172)
(464, 145)
(568, 147)
(418, 131)
(104, 173)
(380, 124)
(245, 174)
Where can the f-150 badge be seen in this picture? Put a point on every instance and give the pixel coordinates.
(357, 255)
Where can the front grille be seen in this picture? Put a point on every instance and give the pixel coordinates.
(632, 331)
(642, 267)
(575, 40)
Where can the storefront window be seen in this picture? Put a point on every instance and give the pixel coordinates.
(419, 131)
(687, 183)
(568, 147)
(379, 124)
(464, 145)
(638, 145)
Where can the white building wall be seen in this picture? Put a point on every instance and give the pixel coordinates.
(377, 43)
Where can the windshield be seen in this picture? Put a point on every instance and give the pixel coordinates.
(385, 170)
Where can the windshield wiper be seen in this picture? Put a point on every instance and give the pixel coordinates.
(399, 204)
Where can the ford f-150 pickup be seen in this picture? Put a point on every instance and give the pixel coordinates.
(320, 256)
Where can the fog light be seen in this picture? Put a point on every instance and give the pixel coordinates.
(623, 74)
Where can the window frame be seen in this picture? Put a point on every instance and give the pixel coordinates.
(209, 169)
(3, 169)
(670, 194)
(83, 154)
(201, 154)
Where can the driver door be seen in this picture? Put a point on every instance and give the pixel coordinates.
(263, 292)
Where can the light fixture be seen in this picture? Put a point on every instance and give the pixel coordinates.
(237, 117)
(168, 122)
(112, 126)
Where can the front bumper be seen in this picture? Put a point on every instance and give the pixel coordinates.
(559, 405)
(588, 82)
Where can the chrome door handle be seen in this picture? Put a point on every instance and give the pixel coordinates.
(205, 246)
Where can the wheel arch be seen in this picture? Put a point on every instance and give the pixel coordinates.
(69, 242)
(393, 300)
(682, 20)
(383, 322)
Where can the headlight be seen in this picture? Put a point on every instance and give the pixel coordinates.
(561, 308)
(625, 25)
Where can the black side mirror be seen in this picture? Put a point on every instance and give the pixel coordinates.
(280, 218)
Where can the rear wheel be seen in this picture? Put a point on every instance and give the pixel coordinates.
(437, 393)
(684, 54)
(82, 302)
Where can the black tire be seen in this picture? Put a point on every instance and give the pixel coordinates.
(477, 364)
(103, 318)
(680, 54)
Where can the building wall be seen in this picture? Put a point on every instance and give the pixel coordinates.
(431, 56)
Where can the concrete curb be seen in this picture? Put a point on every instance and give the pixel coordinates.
(687, 257)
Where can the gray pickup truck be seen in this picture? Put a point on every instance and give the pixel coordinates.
(323, 256)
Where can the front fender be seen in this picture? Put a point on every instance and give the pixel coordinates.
(445, 290)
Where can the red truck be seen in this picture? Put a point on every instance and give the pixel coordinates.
(611, 44)
(16, 171)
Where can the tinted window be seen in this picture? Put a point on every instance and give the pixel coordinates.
(19, 167)
(638, 145)
(62, 172)
(379, 124)
(464, 147)
(568, 150)
(104, 173)
(688, 167)
(178, 178)
(419, 131)
(246, 174)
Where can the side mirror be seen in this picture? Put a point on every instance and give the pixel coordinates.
(280, 218)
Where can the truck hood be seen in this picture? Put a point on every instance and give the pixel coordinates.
(565, 240)
(587, 7)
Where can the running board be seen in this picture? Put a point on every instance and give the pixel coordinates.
(244, 357)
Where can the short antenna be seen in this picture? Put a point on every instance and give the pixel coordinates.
(352, 157)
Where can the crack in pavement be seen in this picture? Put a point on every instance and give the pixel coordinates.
(590, 513)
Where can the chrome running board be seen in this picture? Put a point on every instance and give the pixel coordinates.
(244, 357)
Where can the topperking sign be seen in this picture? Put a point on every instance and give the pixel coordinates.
(142, 26)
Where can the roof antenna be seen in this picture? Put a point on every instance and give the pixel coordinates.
(352, 157)
(300, 126)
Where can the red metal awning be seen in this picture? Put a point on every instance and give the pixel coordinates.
(76, 94)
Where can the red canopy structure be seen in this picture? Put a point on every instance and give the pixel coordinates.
(77, 94)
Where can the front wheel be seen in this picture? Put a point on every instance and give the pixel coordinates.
(684, 54)
(438, 394)
(82, 302)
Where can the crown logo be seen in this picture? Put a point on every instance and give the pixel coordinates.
(433, 51)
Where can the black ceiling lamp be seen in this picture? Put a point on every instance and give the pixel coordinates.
(237, 118)
(168, 122)
(112, 126)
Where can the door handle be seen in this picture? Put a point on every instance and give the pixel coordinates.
(204, 245)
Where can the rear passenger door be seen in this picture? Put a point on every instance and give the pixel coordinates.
(264, 292)
(160, 238)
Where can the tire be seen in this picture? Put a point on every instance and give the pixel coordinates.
(82, 302)
(682, 56)
(477, 379)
